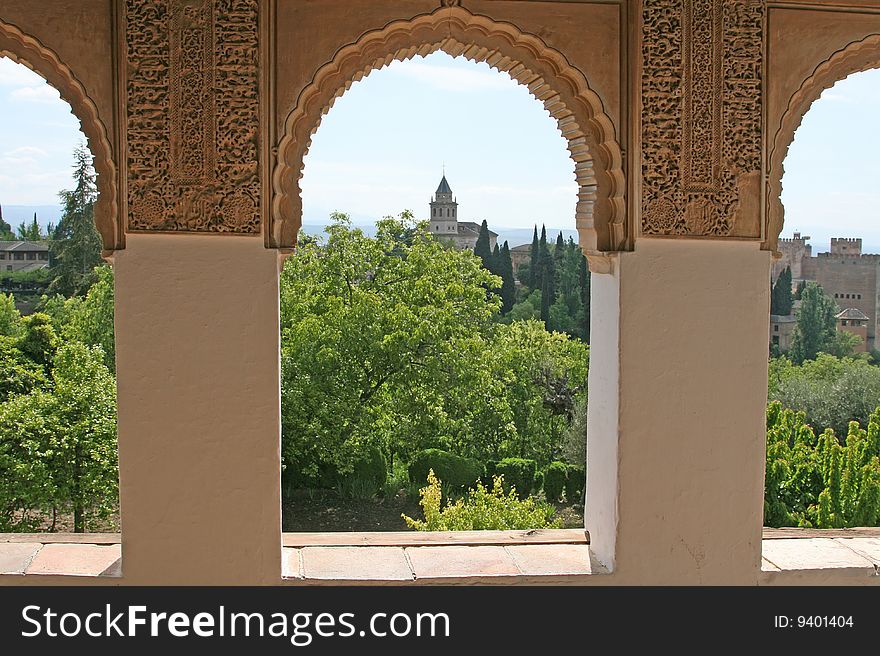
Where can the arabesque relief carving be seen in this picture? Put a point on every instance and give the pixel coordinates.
(701, 117)
(193, 116)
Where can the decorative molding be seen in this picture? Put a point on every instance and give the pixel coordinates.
(27, 50)
(564, 90)
(854, 57)
(701, 117)
(193, 116)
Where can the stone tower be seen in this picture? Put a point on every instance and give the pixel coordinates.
(444, 212)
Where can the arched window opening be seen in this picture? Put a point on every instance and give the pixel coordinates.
(58, 396)
(404, 350)
(823, 329)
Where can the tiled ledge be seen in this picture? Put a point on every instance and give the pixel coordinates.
(790, 557)
(821, 561)
(548, 563)
(65, 559)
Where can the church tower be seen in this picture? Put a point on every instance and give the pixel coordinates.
(444, 212)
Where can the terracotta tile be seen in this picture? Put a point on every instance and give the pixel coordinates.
(15, 556)
(75, 559)
(813, 553)
(551, 559)
(355, 563)
(867, 547)
(290, 565)
(454, 561)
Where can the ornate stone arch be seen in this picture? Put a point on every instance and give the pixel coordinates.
(27, 50)
(564, 90)
(855, 57)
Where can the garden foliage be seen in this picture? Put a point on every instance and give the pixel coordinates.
(481, 509)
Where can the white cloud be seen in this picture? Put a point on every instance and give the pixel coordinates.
(450, 78)
(17, 75)
(26, 151)
(38, 94)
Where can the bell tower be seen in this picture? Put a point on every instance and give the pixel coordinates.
(444, 212)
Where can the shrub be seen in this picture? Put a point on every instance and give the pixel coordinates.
(519, 473)
(456, 472)
(367, 477)
(555, 477)
(482, 509)
(489, 471)
(574, 484)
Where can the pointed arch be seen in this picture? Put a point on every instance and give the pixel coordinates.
(564, 90)
(28, 51)
(855, 57)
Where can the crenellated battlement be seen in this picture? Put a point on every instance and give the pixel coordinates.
(846, 246)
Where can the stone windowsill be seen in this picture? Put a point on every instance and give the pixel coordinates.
(790, 557)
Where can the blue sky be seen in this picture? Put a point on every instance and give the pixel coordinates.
(37, 137)
(382, 147)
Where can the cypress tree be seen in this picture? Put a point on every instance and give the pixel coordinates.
(482, 249)
(584, 282)
(545, 302)
(559, 252)
(533, 262)
(780, 298)
(546, 269)
(495, 262)
(508, 287)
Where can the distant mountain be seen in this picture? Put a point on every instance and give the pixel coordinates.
(513, 236)
(520, 236)
(15, 214)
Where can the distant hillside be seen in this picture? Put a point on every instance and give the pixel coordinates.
(15, 214)
(514, 236)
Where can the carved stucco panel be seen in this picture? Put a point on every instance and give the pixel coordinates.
(701, 117)
(193, 116)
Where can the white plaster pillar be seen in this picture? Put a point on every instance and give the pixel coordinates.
(678, 388)
(197, 350)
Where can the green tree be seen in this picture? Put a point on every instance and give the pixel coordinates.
(30, 231)
(584, 284)
(6, 233)
(831, 391)
(508, 285)
(75, 249)
(10, 319)
(482, 249)
(400, 347)
(18, 373)
(58, 444)
(781, 297)
(373, 333)
(816, 324)
(91, 319)
(39, 341)
(534, 256)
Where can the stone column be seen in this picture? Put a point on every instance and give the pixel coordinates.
(678, 388)
(199, 431)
